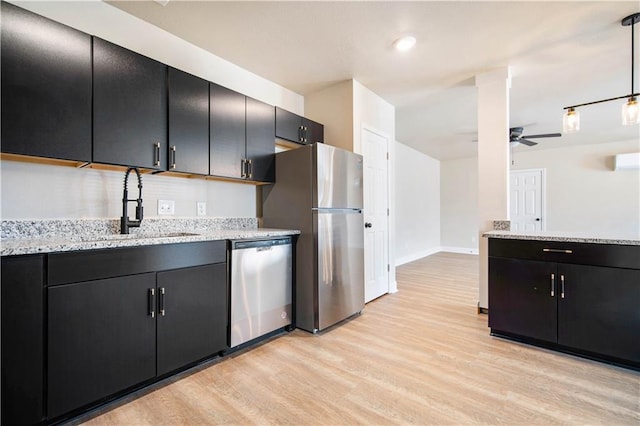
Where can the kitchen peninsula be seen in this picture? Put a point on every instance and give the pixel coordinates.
(571, 292)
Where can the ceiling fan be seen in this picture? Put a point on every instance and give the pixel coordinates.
(516, 137)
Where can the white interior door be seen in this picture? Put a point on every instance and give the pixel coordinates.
(526, 199)
(376, 214)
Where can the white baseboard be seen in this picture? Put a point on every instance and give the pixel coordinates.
(393, 287)
(416, 256)
(463, 250)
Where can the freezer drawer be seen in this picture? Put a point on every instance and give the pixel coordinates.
(261, 287)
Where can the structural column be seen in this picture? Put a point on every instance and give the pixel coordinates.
(493, 162)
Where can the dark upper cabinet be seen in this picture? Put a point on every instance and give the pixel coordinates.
(227, 132)
(260, 141)
(129, 108)
(314, 131)
(188, 123)
(46, 87)
(242, 143)
(192, 315)
(294, 128)
(22, 339)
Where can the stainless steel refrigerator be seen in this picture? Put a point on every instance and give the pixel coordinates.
(318, 190)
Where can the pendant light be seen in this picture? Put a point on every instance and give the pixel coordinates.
(630, 110)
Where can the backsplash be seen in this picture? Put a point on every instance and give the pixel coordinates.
(15, 229)
(42, 191)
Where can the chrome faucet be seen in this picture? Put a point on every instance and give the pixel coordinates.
(125, 223)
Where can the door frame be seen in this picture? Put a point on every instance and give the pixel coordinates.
(392, 286)
(543, 193)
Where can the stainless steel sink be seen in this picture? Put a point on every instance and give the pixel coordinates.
(119, 237)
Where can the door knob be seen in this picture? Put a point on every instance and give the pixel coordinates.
(537, 219)
(368, 225)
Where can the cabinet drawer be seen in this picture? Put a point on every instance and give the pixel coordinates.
(618, 256)
(90, 265)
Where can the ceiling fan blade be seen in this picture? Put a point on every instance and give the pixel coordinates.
(544, 135)
(527, 143)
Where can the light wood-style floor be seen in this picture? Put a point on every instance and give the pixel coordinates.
(420, 356)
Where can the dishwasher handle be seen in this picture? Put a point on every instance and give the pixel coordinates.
(260, 244)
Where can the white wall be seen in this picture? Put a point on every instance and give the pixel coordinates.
(37, 191)
(45, 191)
(417, 204)
(333, 107)
(584, 193)
(459, 205)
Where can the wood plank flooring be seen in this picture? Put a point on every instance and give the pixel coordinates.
(420, 356)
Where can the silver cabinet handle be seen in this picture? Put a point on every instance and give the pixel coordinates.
(157, 154)
(249, 168)
(152, 302)
(562, 286)
(550, 250)
(243, 168)
(161, 302)
(553, 285)
(173, 157)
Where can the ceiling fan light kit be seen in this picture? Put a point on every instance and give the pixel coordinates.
(630, 111)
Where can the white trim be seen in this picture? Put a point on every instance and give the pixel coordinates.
(417, 255)
(393, 287)
(462, 250)
(543, 193)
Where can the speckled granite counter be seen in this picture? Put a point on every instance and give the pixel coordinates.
(48, 236)
(577, 237)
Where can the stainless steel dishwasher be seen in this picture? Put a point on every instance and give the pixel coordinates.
(261, 287)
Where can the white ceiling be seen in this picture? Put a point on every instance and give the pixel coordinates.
(560, 53)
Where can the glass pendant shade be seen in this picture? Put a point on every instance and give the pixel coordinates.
(571, 121)
(631, 112)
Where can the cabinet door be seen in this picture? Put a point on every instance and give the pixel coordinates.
(192, 315)
(129, 108)
(600, 310)
(46, 87)
(260, 141)
(288, 126)
(227, 132)
(520, 299)
(22, 339)
(101, 340)
(188, 123)
(314, 132)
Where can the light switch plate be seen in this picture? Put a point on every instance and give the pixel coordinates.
(166, 207)
(201, 207)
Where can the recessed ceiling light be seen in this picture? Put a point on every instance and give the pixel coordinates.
(404, 43)
(162, 2)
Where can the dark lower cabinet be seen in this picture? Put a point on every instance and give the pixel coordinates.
(192, 306)
(599, 310)
(22, 339)
(46, 87)
(129, 108)
(101, 340)
(520, 298)
(123, 319)
(579, 308)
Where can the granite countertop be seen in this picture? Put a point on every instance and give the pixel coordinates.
(48, 236)
(577, 237)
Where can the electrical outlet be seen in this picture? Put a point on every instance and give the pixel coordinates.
(201, 208)
(166, 207)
